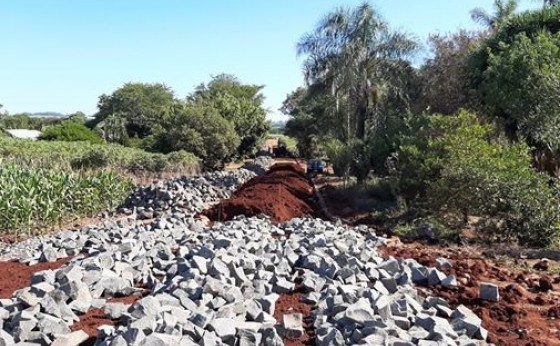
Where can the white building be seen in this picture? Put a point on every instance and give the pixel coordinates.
(23, 134)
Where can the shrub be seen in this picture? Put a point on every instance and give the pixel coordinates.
(93, 159)
(181, 161)
(339, 155)
(452, 167)
(154, 163)
(70, 131)
(290, 143)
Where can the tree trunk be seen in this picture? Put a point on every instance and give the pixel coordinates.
(361, 122)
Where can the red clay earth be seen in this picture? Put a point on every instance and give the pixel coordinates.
(94, 318)
(291, 303)
(283, 194)
(17, 275)
(529, 306)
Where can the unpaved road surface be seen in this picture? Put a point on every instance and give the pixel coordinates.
(282, 279)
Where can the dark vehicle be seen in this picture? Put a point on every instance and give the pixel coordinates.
(315, 166)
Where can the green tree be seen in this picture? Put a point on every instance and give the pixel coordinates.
(113, 128)
(24, 121)
(309, 120)
(354, 56)
(78, 117)
(448, 166)
(241, 104)
(70, 131)
(201, 131)
(142, 105)
(503, 10)
(445, 76)
(521, 85)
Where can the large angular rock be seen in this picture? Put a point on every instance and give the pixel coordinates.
(360, 312)
(292, 325)
(223, 327)
(465, 319)
(489, 291)
(148, 306)
(73, 339)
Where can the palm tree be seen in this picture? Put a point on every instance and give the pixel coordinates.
(114, 128)
(351, 54)
(503, 10)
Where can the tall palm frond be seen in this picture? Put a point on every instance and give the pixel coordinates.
(503, 10)
(345, 53)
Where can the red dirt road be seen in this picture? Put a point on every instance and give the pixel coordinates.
(17, 275)
(283, 194)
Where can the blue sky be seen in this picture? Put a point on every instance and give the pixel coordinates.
(60, 55)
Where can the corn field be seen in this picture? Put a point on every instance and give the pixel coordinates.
(35, 198)
(80, 156)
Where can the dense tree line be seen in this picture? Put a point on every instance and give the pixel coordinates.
(222, 120)
(219, 121)
(469, 132)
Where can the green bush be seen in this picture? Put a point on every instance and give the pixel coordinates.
(452, 167)
(70, 131)
(93, 159)
(339, 155)
(290, 143)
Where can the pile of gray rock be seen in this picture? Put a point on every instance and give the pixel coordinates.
(189, 195)
(219, 285)
(259, 165)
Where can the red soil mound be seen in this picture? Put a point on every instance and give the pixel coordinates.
(17, 275)
(283, 193)
(527, 312)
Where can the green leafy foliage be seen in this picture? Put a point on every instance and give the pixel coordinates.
(358, 62)
(202, 131)
(24, 121)
(148, 116)
(38, 198)
(450, 166)
(340, 156)
(68, 156)
(241, 104)
(70, 131)
(445, 76)
(140, 105)
(521, 84)
(290, 143)
(503, 11)
(310, 120)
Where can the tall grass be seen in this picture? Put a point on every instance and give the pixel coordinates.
(35, 198)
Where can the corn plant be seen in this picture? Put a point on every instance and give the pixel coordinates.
(84, 156)
(35, 198)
